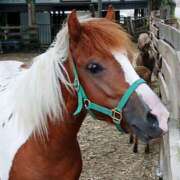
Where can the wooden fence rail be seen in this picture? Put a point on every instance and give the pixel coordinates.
(166, 40)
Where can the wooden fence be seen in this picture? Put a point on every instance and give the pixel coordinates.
(136, 26)
(166, 44)
(21, 37)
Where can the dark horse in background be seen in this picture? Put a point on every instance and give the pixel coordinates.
(38, 123)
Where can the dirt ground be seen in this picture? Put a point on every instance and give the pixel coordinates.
(106, 153)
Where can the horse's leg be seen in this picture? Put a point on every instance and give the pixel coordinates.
(135, 148)
(147, 150)
(131, 139)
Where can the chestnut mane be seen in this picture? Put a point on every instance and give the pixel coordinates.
(105, 34)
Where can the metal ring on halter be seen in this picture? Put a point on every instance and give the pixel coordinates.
(86, 103)
(116, 116)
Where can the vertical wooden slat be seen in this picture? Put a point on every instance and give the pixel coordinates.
(168, 46)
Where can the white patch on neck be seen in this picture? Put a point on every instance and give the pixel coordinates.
(11, 138)
(143, 90)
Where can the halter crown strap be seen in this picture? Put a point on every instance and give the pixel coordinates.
(116, 113)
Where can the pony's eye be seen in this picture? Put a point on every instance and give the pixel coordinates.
(94, 68)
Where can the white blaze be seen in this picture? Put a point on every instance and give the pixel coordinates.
(143, 90)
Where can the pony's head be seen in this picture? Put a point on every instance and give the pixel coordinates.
(102, 53)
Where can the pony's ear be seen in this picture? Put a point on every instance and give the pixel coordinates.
(74, 26)
(110, 15)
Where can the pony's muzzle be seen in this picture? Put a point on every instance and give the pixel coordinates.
(139, 117)
(148, 127)
(152, 120)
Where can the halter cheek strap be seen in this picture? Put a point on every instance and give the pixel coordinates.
(115, 113)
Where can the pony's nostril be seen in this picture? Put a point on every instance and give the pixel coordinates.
(152, 120)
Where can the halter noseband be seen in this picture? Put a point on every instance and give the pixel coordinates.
(115, 113)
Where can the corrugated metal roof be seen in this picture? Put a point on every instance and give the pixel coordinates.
(61, 1)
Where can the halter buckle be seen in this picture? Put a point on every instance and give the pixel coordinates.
(116, 116)
(86, 103)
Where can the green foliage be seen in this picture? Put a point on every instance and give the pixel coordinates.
(167, 2)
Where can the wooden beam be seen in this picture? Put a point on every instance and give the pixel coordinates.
(100, 8)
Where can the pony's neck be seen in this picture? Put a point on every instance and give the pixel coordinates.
(58, 155)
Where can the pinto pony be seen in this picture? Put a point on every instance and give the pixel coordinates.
(43, 107)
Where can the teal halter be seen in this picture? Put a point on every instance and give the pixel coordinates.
(115, 113)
